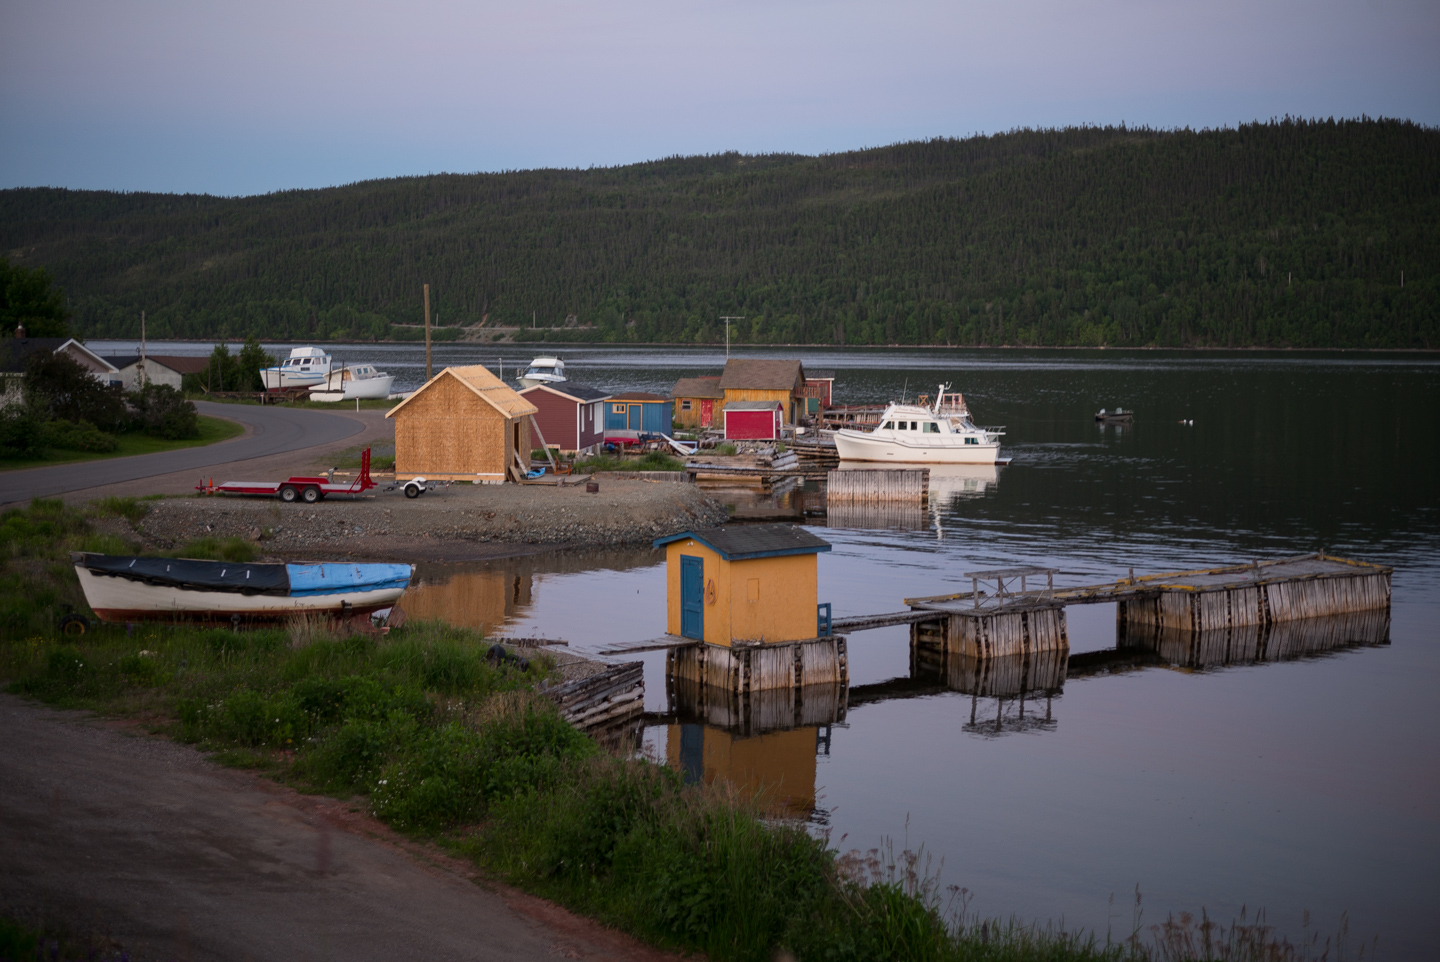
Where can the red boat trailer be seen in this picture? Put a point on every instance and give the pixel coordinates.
(307, 489)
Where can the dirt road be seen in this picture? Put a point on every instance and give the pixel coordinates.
(149, 843)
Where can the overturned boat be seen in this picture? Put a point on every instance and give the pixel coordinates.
(125, 588)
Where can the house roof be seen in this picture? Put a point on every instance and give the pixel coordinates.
(638, 396)
(819, 375)
(760, 375)
(182, 363)
(571, 390)
(698, 387)
(754, 406)
(486, 386)
(15, 351)
(738, 542)
(72, 343)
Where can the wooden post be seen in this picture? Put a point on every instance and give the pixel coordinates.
(427, 332)
(545, 447)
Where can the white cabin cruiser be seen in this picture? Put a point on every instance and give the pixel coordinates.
(942, 433)
(305, 367)
(350, 383)
(543, 370)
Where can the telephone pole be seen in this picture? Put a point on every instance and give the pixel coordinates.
(427, 332)
(144, 378)
(727, 321)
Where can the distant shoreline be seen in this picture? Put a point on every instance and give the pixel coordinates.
(833, 347)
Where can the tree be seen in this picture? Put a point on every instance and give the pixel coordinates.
(248, 364)
(28, 297)
(162, 412)
(67, 390)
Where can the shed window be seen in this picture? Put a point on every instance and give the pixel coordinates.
(684, 405)
(620, 409)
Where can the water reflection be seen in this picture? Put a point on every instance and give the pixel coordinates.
(759, 742)
(949, 485)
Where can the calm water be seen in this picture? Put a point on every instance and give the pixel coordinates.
(1310, 784)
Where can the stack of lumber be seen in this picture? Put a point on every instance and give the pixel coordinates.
(758, 466)
(609, 696)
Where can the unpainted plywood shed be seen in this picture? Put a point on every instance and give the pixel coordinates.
(464, 424)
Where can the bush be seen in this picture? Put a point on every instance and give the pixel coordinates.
(22, 430)
(79, 436)
(163, 412)
(69, 392)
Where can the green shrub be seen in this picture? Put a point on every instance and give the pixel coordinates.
(22, 430)
(163, 412)
(81, 436)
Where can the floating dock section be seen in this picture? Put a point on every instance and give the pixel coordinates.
(1260, 593)
(745, 668)
(877, 486)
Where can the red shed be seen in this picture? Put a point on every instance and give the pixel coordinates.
(570, 416)
(753, 420)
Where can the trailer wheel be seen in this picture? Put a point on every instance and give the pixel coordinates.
(310, 495)
(288, 493)
(73, 625)
(412, 490)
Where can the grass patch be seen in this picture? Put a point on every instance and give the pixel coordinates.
(650, 461)
(445, 744)
(382, 457)
(212, 430)
(211, 548)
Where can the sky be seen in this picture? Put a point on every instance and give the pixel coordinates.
(261, 95)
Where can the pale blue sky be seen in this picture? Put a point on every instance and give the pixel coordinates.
(251, 96)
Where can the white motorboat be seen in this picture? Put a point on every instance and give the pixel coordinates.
(144, 589)
(942, 433)
(543, 370)
(305, 367)
(349, 383)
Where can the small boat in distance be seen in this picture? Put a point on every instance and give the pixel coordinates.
(543, 370)
(349, 383)
(124, 588)
(921, 434)
(1117, 415)
(305, 367)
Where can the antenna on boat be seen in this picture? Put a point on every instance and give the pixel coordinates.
(905, 391)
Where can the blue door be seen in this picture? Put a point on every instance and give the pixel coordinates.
(692, 597)
(637, 417)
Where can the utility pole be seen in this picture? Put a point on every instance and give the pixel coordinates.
(727, 321)
(144, 379)
(427, 332)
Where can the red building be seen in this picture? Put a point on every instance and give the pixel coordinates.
(571, 416)
(753, 420)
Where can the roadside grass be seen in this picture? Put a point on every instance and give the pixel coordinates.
(382, 457)
(650, 461)
(212, 430)
(445, 745)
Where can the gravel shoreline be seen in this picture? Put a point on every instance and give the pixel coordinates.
(450, 523)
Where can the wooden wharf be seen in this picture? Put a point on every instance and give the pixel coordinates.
(877, 485)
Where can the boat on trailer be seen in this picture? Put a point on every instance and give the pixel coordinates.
(942, 433)
(125, 588)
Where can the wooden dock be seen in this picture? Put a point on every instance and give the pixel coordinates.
(877, 485)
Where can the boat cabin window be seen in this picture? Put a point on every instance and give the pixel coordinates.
(931, 427)
(886, 426)
(972, 440)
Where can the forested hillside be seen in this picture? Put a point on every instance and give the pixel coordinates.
(1286, 233)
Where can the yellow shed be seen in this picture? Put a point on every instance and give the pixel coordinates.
(464, 424)
(758, 379)
(741, 584)
(781, 764)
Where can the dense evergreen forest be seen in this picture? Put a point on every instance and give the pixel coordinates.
(1289, 233)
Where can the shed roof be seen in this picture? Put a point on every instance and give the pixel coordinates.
(698, 387)
(742, 542)
(175, 362)
(754, 406)
(575, 392)
(638, 396)
(489, 388)
(819, 375)
(760, 375)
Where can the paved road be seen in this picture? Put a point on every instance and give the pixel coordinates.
(272, 430)
(147, 842)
